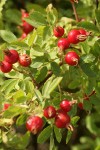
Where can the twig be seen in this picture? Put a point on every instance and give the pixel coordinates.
(75, 12)
(27, 73)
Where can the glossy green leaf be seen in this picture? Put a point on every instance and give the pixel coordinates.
(7, 36)
(69, 134)
(36, 19)
(44, 135)
(58, 134)
(89, 26)
(55, 68)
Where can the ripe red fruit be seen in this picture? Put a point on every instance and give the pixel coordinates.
(5, 66)
(27, 28)
(73, 36)
(24, 60)
(6, 106)
(76, 1)
(66, 105)
(34, 124)
(72, 58)
(62, 120)
(49, 112)
(11, 56)
(58, 31)
(63, 43)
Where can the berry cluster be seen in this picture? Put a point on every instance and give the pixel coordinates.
(74, 37)
(11, 57)
(61, 118)
(26, 27)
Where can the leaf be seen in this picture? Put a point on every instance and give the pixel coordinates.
(46, 88)
(2, 3)
(50, 85)
(74, 120)
(6, 84)
(69, 134)
(55, 68)
(51, 142)
(41, 74)
(88, 58)
(88, 26)
(54, 84)
(36, 7)
(11, 86)
(44, 135)
(87, 105)
(97, 15)
(36, 19)
(14, 17)
(21, 119)
(7, 36)
(20, 45)
(58, 134)
(32, 38)
(86, 68)
(38, 95)
(13, 111)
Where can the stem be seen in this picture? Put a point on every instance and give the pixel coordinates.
(97, 4)
(75, 12)
(27, 73)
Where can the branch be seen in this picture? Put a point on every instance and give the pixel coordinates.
(75, 12)
(27, 73)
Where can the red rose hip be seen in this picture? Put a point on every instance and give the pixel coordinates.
(24, 60)
(11, 56)
(63, 43)
(27, 28)
(5, 67)
(34, 124)
(62, 120)
(58, 31)
(73, 36)
(66, 105)
(49, 112)
(72, 58)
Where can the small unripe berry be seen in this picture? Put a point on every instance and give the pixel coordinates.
(49, 112)
(11, 56)
(63, 43)
(62, 120)
(5, 66)
(34, 124)
(72, 58)
(24, 60)
(58, 31)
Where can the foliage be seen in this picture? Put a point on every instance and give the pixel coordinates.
(49, 80)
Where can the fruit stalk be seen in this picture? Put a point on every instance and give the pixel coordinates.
(75, 12)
